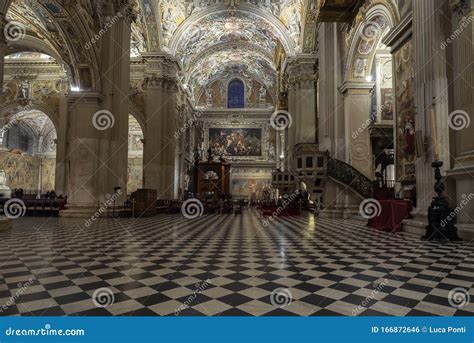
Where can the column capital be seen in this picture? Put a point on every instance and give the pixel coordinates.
(161, 70)
(302, 71)
(355, 87)
(84, 97)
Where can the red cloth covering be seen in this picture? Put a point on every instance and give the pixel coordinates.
(392, 213)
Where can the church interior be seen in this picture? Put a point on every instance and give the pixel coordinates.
(236, 157)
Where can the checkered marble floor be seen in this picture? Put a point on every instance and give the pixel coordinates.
(228, 265)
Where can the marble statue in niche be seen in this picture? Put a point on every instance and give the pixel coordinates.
(262, 96)
(5, 191)
(24, 90)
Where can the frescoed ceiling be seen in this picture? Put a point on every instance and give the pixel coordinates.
(248, 64)
(243, 37)
(219, 39)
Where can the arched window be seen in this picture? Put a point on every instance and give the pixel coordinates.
(236, 94)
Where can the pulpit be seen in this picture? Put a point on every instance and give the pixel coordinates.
(213, 179)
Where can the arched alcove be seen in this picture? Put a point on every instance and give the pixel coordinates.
(28, 151)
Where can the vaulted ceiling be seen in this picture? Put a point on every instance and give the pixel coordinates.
(222, 39)
(211, 38)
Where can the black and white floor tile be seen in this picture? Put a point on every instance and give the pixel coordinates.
(229, 266)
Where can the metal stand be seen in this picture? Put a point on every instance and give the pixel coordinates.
(441, 218)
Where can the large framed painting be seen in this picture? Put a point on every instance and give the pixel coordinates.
(236, 141)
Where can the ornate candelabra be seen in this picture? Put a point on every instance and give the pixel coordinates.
(441, 218)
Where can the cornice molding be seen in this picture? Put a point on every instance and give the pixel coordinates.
(399, 34)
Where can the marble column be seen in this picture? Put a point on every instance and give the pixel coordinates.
(461, 46)
(84, 165)
(159, 159)
(288, 162)
(61, 147)
(115, 86)
(358, 150)
(97, 127)
(332, 122)
(302, 106)
(431, 91)
(3, 48)
(302, 100)
(331, 101)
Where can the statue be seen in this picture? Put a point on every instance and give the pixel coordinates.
(5, 192)
(209, 97)
(24, 89)
(262, 96)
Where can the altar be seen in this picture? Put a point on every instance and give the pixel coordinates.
(212, 179)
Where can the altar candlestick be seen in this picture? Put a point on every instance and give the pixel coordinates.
(434, 135)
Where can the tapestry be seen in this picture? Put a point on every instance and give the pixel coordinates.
(25, 171)
(405, 113)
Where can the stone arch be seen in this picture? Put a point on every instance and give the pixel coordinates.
(69, 42)
(30, 105)
(28, 131)
(34, 44)
(380, 17)
(286, 41)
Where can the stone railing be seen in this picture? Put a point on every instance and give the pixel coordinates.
(347, 175)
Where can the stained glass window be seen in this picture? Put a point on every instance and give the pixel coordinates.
(236, 94)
